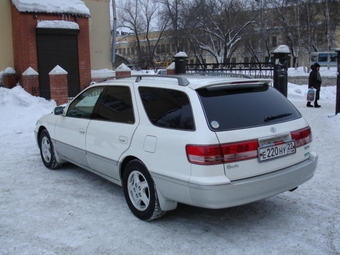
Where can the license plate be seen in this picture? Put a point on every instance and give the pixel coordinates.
(276, 150)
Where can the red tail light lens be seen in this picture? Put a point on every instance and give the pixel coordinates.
(204, 155)
(302, 136)
(240, 151)
(219, 154)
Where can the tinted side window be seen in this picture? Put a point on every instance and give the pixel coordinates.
(116, 105)
(82, 106)
(167, 108)
(237, 108)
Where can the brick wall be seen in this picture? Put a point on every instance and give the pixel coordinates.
(58, 86)
(24, 41)
(30, 84)
(123, 73)
(25, 46)
(9, 80)
(84, 53)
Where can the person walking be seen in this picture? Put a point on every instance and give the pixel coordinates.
(314, 81)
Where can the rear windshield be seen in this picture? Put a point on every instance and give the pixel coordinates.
(236, 108)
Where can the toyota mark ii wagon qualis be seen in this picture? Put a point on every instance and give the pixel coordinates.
(211, 142)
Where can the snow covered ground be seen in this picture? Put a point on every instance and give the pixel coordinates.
(71, 211)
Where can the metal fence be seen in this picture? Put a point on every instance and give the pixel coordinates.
(256, 70)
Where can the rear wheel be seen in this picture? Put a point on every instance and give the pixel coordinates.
(140, 192)
(47, 152)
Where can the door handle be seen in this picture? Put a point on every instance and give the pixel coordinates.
(122, 139)
(82, 131)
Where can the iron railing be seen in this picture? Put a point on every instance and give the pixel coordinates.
(256, 70)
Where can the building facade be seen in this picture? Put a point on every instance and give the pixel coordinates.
(99, 29)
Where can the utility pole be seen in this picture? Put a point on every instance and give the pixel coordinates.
(114, 32)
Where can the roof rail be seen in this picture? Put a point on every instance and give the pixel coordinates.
(182, 81)
(224, 74)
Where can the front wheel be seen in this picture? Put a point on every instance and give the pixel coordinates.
(47, 152)
(140, 193)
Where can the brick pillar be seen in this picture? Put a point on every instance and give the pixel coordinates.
(59, 85)
(123, 70)
(30, 81)
(9, 78)
(170, 70)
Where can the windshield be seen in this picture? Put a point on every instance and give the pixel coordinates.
(235, 108)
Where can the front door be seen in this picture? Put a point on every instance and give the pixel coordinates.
(70, 129)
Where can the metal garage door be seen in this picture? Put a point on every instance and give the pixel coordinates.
(58, 47)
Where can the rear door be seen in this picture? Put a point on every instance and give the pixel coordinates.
(110, 132)
(245, 118)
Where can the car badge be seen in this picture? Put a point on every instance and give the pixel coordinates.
(215, 124)
(273, 129)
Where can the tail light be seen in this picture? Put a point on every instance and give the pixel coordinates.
(204, 155)
(238, 151)
(219, 154)
(302, 136)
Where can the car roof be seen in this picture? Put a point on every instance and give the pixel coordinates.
(191, 81)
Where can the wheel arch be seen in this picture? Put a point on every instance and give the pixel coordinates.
(124, 163)
(38, 133)
(40, 130)
(165, 204)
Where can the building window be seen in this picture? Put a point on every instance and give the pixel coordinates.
(274, 42)
(319, 39)
(173, 48)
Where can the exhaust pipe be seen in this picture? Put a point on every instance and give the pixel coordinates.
(291, 190)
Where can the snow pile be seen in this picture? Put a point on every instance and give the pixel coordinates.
(21, 109)
(58, 70)
(30, 71)
(52, 6)
(57, 24)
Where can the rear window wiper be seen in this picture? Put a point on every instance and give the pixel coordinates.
(269, 118)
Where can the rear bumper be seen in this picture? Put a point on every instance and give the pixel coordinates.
(253, 189)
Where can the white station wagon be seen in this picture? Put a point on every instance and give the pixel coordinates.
(211, 142)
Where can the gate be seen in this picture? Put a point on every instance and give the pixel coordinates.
(58, 47)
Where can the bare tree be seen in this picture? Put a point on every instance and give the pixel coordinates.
(171, 11)
(256, 41)
(307, 23)
(220, 26)
(140, 16)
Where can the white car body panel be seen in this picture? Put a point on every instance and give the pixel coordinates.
(70, 139)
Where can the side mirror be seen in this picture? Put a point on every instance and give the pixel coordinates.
(59, 110)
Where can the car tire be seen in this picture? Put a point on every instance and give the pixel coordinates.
(140, 192)
(47, 152)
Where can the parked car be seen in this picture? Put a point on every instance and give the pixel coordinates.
(162, 72)
(211, 142)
